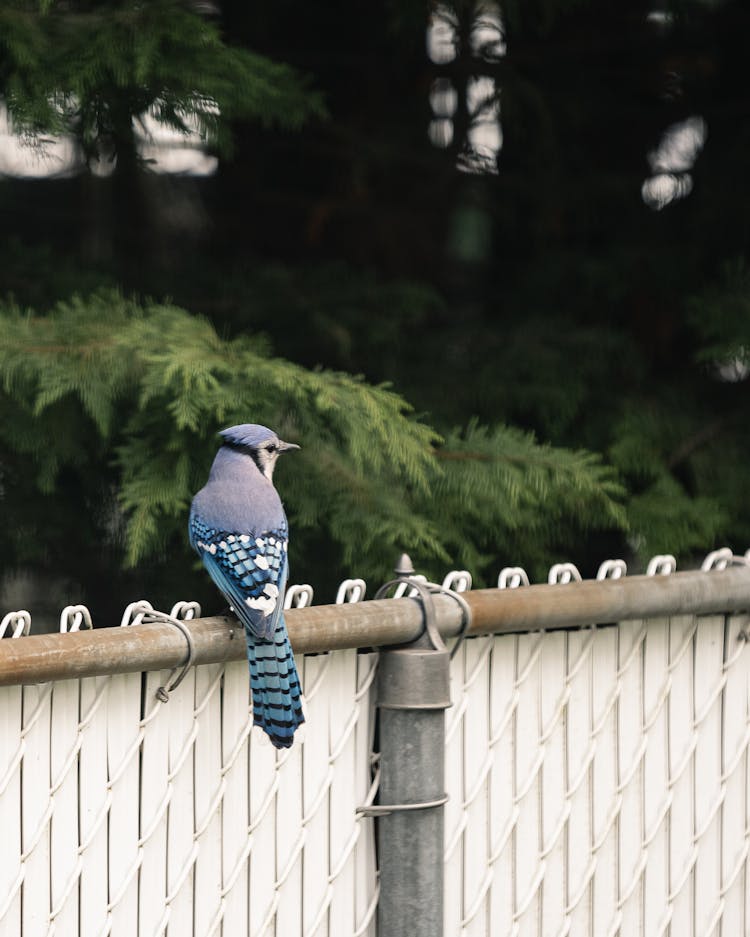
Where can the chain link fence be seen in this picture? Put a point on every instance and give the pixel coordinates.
(597, 776)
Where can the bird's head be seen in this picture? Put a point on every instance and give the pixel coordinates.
(260, 443)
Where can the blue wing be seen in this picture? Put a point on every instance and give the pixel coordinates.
(250, 572)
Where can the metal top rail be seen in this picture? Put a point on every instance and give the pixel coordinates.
(158, 646)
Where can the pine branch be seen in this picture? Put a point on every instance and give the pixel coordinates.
(90, 72)
(153, 384)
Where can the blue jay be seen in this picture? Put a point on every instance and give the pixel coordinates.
(239, 530)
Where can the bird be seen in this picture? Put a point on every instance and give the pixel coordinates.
(239, 529)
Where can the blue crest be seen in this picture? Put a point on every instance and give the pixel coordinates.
(247, 434)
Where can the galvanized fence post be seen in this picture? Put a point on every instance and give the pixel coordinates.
(413, 694)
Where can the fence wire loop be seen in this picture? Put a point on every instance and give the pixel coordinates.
(143, 612)
(18, 622)
(350, 591)
(563, 573)
(162, 692)
(383, 810)
(661, 565)
(458, 580)
(720, 559)
(135, 612)
(512, 577)
(298, 596)
(75, 617)
(186, 611)
(612, 569)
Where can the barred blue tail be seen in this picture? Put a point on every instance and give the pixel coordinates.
(274, 684)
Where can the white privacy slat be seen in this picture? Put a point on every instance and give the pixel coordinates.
(527, 791)
(656, 793)
(578, 781)
(35, 800)
(93, 805)
(736, 819)
(604, 696)
(181, 814)
(553, 715)
(155, 794)
(343, 690)
(289, 842)
(364, 848)
(681, 760)
(629, 825)
(64, 821)
(123, 716)
(263, 791)
(235, 818)
(455, 817)
(315, 796)
(208, 793)
(709, 653)
(502, 701)
(12, 747)
(475, 787)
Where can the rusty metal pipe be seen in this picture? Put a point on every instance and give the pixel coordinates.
(40, 658)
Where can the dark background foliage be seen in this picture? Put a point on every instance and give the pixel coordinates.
(584, 283)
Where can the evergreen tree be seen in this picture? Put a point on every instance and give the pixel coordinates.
(104, 73)
(93, 69)
(108, 419)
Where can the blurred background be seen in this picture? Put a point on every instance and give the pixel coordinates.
(486, 263)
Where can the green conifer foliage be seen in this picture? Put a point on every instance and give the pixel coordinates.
(90, 69)
(109, 410)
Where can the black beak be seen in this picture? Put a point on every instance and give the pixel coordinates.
(285, 446)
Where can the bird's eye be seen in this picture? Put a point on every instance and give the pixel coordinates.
(271, 448)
